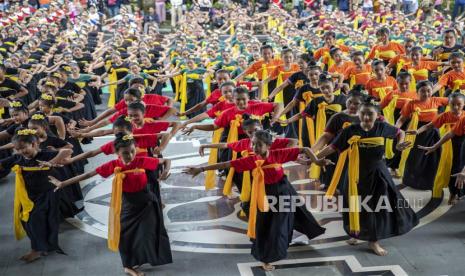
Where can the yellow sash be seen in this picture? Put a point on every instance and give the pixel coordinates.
(414, 73)
(320, 129)
(246, 185)
(413, 125)
(233, 136)
(388, 112)
(210, 178)
(23, 205)
(265, 86)
(329, 59)
(177, 85)
(308, 97)
(258, 197)
(353, 176)
(112, 89)
(114, 223)
(183, 94)
(279, 97)
(385, 54)
(458, 84)
(382, 91)
(442, 178)
(208, 82)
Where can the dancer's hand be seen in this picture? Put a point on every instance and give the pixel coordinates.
(188, 130)
(460, 180)
(164, 175)
(201, 150)
(428, 150)
(411, 132)
(403, 146)
(323, 163)
(45, 164)
(303, 161)
(84, 122)
(192, 171)
(55, 182)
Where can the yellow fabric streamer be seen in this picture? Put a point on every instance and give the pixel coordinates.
(233, 136)
(210, 177)
(258, 197)
(265, 85)
(183, 95)
(320, 129)
(23, 205)
(388, 112)
(208, 82)
(413, 125)
(114, 218)
(246, 185)
(442, 178)
(112, 89)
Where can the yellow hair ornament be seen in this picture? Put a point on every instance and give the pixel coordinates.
(38, 117)
(46, 97)
(128, 137)
(26, 132)
(49, 83)
(16, 104)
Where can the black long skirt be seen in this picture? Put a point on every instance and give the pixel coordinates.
(375, 183)
(43, 223)
(143, 238)
(291, 130)
(458, 162)
(195, 95)
(69, 195)
(274, 229)
(420, 169)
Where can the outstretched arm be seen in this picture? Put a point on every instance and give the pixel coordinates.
(194, 171)
(61, 184)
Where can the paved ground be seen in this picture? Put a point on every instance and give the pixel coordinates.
(201, 222)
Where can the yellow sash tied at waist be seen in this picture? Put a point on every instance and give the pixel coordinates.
(210, 178)
(338, 170)
(442, 178)
(353, 176)
(23, 205)
(183, 94)
(233, 136)
(265, 85)
(114, 219)
(458, 84)
(388, 113)
(320, 129)
(258, 197)
(246, 185)
(413, 125)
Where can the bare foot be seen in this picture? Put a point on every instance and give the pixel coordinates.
(452, 199)
(133, 272)
(268, 267)
(376, 247)
(31, 256)
(352, 241)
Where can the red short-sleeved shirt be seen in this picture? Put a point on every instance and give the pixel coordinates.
(246, 144)
(272, 175)
(147, 99)
(219, 108)
(459, 128)
(258, 109)
(432, 103)
(214, 97)
(143, 142)
(151, 111)
(445, 118)
(151, 127)
(133, 182)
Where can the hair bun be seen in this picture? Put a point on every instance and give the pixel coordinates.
(246, 116)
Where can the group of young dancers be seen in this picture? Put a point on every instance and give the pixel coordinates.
(356, 110)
